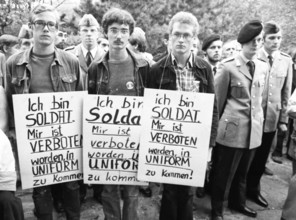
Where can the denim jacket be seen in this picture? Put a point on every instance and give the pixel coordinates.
(65, 73)
(99, 75)
(163, 76)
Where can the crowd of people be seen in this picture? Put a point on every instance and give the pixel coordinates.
(251, 78)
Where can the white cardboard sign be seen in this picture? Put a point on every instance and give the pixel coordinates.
(49, 137)
(175, 136)
(111, 128)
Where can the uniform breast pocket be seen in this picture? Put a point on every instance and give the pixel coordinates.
(238, 90)
(68, 81)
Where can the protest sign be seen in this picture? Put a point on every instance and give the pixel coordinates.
(111, 136)
(175, 136)
(49, 137)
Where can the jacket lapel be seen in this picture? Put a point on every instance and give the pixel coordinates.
(81, 58)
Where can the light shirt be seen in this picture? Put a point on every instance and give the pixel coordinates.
(92, 52)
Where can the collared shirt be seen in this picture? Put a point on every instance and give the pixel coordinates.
(214, 68)
(93, 51)
(184, 75)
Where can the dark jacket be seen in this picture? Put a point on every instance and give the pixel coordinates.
(99, 75)
(65, 73)
(162, 76)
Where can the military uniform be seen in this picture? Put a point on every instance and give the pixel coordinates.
(239, 96)
(77, 51)
(275, 99)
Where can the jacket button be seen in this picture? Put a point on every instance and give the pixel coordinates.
(226, 120)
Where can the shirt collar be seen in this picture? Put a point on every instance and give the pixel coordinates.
(189, 63)
(266, 54)
(93, 51)
(245, 59)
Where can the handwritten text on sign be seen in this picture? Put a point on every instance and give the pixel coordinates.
(49, 137)
(175, 137)
(111, 139)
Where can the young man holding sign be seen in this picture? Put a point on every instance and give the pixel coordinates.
(43, 69)
(183, 71)
(120, 72)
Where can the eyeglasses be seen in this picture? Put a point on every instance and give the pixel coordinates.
(115, 31)
(178, 35)
(41, 24)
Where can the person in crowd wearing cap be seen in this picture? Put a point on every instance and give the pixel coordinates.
(179, 70)
(212, 47)
(88, 50)
(25, 38)
(119, 72)
(46, 69)
(275, 99)
(280, 96)
(103, 43)
(8, 45)
(239, 85)
(10, 206)
(138, 45)
(61, 40)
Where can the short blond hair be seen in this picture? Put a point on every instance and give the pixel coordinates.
(184, 18)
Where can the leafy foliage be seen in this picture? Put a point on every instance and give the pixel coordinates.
(224, 17)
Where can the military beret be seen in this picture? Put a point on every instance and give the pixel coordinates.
(8, 39)
(249, 31)
(210, 39)
(271, 28)
(88, 20)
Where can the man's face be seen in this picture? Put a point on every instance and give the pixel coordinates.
(89, 36)
(61, 37)
(118, 35)
(214, 51)
(104, 44)
(229, 49)
(195, 46)
(272, 42)
(251, 48)
(182, 38)
(44, 28)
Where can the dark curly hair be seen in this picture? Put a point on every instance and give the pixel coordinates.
(120, 16)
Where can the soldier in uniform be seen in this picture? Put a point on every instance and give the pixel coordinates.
(212, 47)
(88, 50)
(275, 99)
(239, 85)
